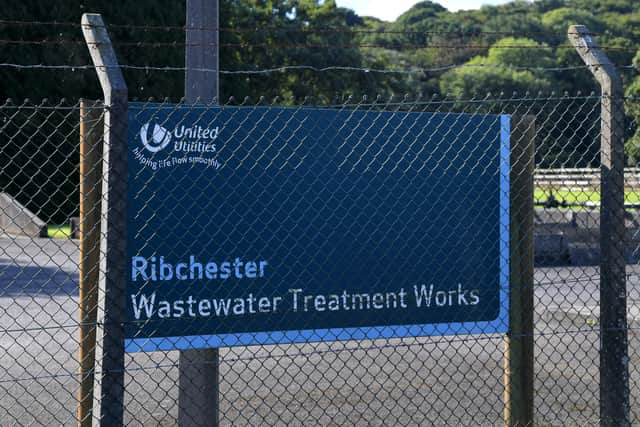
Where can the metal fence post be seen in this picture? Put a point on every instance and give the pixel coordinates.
(198, 400)
(109, 371)
(90, 198)
(518, 361)
(614, 360)
(201, 53)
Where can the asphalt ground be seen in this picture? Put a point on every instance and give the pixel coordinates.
(414, 381)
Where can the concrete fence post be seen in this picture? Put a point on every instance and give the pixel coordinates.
(614, 359)
(109, 366)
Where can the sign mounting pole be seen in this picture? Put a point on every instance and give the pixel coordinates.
(198, 369)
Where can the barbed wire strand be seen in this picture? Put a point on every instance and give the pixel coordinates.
(304, 68)
(390, 45)
(284, 29)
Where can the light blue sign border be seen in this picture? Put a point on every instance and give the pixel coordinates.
(500, 325)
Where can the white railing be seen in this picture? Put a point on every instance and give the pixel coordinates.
(580, 178)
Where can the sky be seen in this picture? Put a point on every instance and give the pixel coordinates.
(389, 10)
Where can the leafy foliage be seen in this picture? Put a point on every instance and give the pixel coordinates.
(261, 34)
(501, 69)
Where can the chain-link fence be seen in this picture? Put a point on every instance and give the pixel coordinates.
(369, 181)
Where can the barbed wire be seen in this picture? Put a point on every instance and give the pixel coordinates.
(390, 45)
(313, 68)
(264, 29)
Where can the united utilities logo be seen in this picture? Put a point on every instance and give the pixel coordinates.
(154, 138)
(186, 139)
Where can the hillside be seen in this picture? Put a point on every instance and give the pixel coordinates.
(258, 35)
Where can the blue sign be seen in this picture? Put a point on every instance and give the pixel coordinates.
(261, 225)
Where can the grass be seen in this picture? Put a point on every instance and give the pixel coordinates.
(540, 195)
(59, 231)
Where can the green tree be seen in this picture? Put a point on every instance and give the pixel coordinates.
(501, 70)
(558, 20)
(632, 109)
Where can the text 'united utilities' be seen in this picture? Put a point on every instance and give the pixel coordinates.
(193, 139)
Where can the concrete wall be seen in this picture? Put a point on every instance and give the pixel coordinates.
(15, 219)
(567, 237)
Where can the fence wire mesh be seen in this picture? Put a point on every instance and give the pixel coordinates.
(425, 380)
